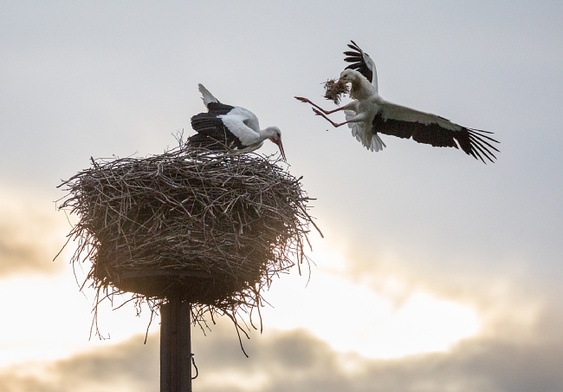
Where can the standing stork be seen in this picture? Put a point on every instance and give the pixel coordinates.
(368, 114)
(230, 127)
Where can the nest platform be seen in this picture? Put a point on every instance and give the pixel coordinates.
(212, 228)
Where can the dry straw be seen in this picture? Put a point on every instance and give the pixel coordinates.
(334, 89)
(213, 228)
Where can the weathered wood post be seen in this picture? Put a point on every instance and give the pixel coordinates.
(175, 345)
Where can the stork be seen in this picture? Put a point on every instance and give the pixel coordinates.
(368, 114)
(229, 127)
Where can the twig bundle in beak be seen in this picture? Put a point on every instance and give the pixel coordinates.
(334, 89)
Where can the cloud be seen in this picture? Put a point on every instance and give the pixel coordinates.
(30, 234)
(297, 361)
(130, 365)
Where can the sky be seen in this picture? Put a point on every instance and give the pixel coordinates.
(436, 272)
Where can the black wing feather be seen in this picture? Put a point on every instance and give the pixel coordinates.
(356, 58)
(218, 108)
(211, 132)
(473, 142)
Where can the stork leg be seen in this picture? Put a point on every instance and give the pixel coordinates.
(335, 125)
(307, 100)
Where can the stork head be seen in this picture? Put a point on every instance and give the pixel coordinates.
(275, 137)
(361, 87)
(349, 76)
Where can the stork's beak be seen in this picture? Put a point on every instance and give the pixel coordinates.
(280, 146)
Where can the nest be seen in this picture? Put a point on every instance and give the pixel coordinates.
(334, 89)
(211, 228)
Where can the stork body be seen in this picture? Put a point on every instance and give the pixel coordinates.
(230, 127)
(368, 114)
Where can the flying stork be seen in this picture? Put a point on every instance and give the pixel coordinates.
(229, 127)
(368, 114)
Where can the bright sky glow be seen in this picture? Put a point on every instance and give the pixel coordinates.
(354, 317)
(47, 324)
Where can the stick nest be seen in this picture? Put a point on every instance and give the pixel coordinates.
(211, 228)
(334, 89)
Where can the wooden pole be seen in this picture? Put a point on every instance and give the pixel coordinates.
(175, 346)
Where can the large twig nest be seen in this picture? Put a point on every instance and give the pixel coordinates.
(211, 228)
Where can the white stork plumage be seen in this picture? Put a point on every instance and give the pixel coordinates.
(229, 127)
(368, 114)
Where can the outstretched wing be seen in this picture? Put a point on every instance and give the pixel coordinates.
(361, 62)
(431, 129)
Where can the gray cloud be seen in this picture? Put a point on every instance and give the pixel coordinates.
(299, 362)
(130, 365)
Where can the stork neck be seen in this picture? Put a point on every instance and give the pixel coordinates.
(362, 88)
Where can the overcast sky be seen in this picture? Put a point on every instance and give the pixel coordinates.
(437, 272)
